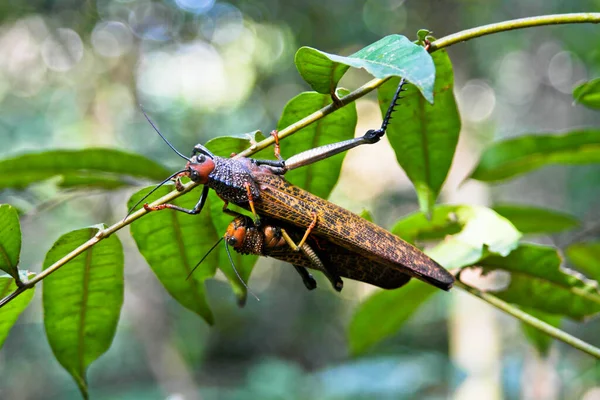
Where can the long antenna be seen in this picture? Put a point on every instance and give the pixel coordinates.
(161, 135)
(238, 274)
(203, 258)
(152, 191)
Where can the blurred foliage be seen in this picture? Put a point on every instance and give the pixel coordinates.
(71, 77)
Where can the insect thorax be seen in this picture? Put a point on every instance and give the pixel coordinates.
(230, 178)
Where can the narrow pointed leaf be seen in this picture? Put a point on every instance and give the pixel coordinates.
(424, 136)
(318, 178)
(537, 338)
(11, 312)
(384, 313)
(529, 219)
(101, 168)
(173, 243)
(393, 55)
(509, 158)
(538, 281)
(82, 301)
(10, 240)
(588, 93)
(586, 257)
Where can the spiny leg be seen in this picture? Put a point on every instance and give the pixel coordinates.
(330, 273)
(371, 136)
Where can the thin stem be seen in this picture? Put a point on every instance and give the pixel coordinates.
(555, 19)
(317, 115)
(531, 320)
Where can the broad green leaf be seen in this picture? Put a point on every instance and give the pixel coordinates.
(318, 178)
(173, 243)
(586, 257)
(483, 232)
(588, 93)
(220, 220)
(538, 339)
(537, 281)
(424, 136)
(509, 158)
(101, 168)
(393, 55)
(417, 226)
(384, 313)
(10, 240)
(82, 301)
(11, 311)
(529, 219)
(225, 146)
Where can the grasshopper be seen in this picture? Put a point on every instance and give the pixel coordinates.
(278, 240)
(258, 186)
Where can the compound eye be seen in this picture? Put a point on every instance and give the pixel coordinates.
(200, 158)
(232, 241)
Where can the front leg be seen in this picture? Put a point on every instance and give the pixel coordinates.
(196, 210)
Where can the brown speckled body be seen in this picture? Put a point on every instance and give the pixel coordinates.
(285, 202)
(336, 259)
(235, 180)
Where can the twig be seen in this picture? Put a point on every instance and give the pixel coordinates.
(531, 320)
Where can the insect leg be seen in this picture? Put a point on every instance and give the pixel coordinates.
(307, 278)
(328, 150)
(329, 272)
(251, 203)
(309, 229)
(196, 210)
(277, 149)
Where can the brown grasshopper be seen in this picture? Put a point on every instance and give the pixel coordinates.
(278, 240)
(258, 186)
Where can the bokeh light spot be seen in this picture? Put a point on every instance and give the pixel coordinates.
(62, 50)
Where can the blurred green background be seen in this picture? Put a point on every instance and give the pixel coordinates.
(73, 74)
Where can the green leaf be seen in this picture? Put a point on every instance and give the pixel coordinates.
(588, 93)
(417, 226)
(484, 232)
(537, 338)
(82, 301)
(10, 240)
(392, 55)
(366, 214)
(101, 168)
(318, 178)
(11, 311)
(384, 313)
(424, 136)
(528, 219)
(586, 257)
(537, 281)
(225, 146)
(173, 243)
(513, 157)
